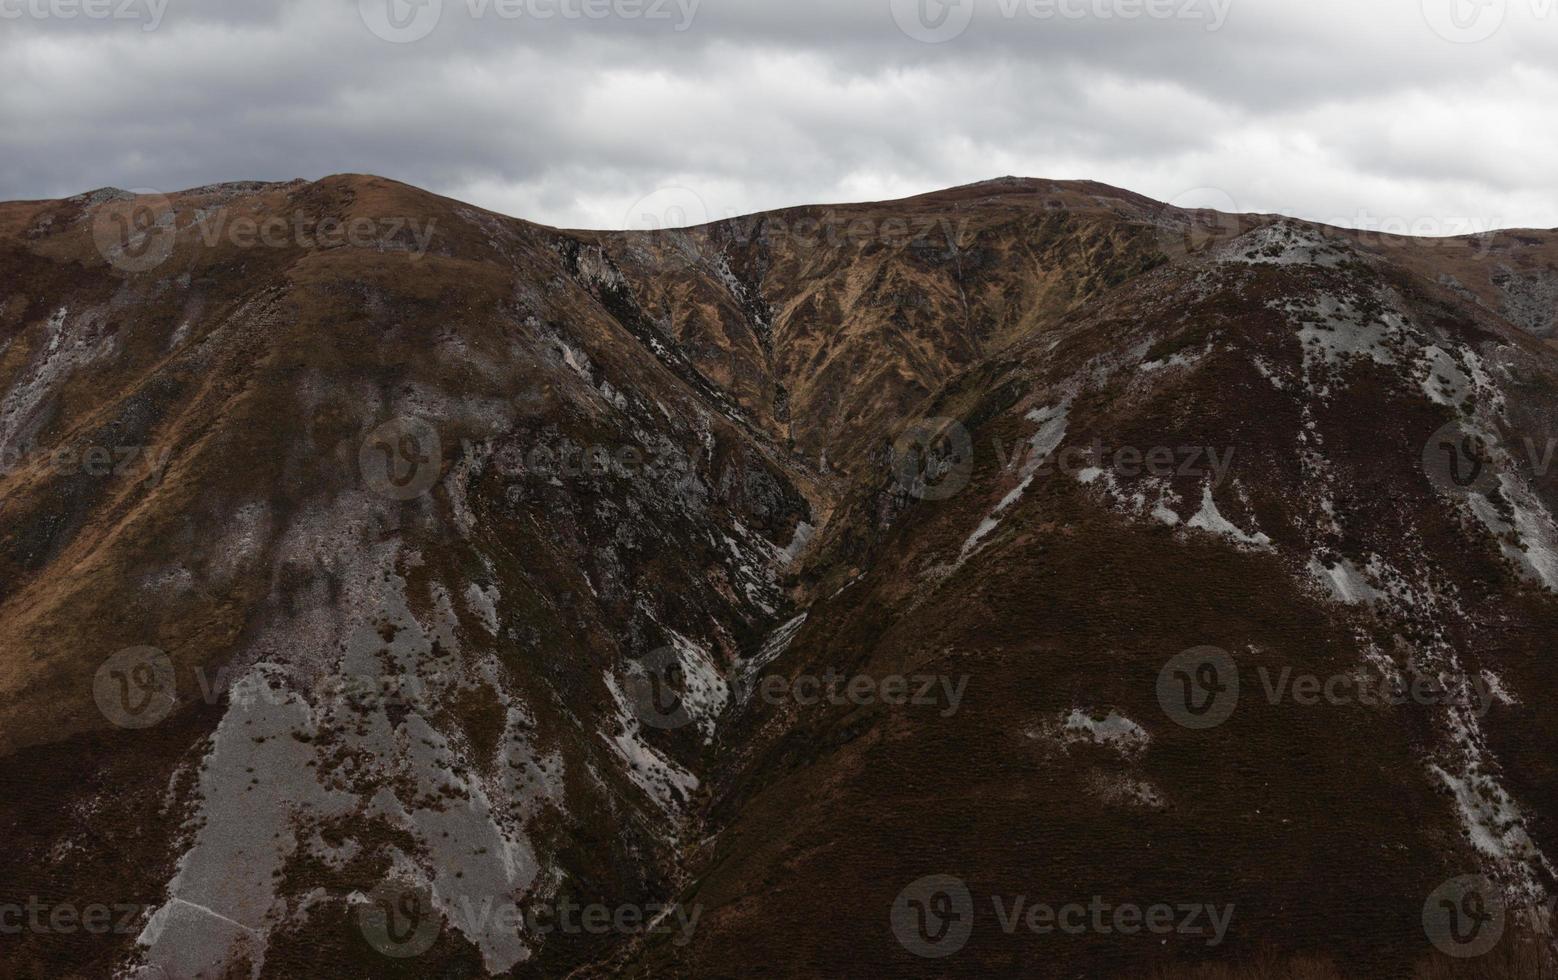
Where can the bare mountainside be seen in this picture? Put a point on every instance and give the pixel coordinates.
(1027, 578)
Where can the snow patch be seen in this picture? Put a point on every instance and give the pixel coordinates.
(1208, 518)
(663, 781)
(1345, 581)
(483, 601)
(704, 692)
(1087, 726)
(1285, 242)
(1052, 430)
(772, 649)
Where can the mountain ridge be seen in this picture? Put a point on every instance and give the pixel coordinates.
(511, 477)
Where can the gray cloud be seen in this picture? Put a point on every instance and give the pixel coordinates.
(1350, 112)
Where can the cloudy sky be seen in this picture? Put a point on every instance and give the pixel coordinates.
(1438, 115)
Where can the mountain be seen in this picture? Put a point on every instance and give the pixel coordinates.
(390, 587)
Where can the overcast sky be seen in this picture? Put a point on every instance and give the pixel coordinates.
(1438, 114)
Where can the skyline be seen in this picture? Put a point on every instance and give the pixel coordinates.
(1412, 114)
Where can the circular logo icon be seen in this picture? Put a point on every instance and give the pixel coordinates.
(401, 459)
(136, 687)
(1464, 917)
(655, 684)
(668, 207)
(135, 234)
(1460, 461)
(1199, 688)
(1465, 21)
(934, 459)
(934, 916)
(933, 21)
(1198, 218)
(401, 21)
(399, 920)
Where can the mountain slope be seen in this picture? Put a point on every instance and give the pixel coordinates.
(441, 560)
(1059, 592)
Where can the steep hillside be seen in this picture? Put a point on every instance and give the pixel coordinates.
(381, 577)
(410, 517)
(1301, 523)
